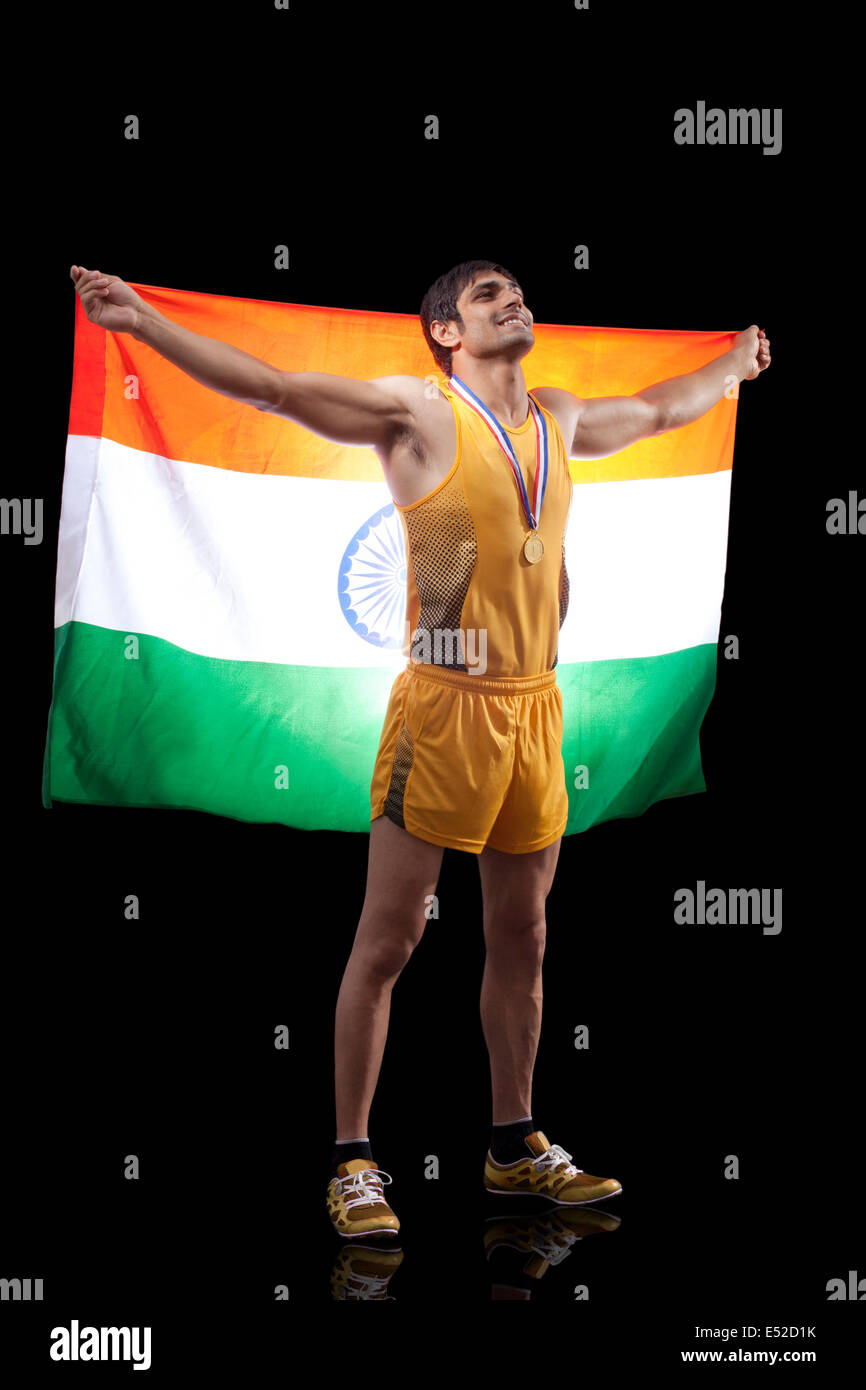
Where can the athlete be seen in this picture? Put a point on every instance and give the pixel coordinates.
(470, 755)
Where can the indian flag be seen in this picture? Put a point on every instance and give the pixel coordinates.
(230, 596)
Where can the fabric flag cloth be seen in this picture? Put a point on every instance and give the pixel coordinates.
(230, 593)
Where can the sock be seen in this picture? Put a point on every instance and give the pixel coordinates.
(345, 1149)
(507, 1144)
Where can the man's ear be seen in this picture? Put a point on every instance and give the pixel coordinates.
(450, 328)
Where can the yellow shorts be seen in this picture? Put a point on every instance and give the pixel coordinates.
(467, 761)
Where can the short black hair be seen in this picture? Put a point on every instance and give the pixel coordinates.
(440, 302)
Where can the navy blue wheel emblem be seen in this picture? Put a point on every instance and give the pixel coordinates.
(372, 581)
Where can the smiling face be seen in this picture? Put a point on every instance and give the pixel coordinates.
(496, 322)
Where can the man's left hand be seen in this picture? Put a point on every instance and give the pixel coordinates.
(755, 346)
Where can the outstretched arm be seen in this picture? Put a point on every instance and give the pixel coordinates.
(342, 409)
(607, 424)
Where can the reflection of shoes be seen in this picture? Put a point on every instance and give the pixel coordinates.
(363, 1272)
(547, 1173)
(356, 1205)
(547, 1239)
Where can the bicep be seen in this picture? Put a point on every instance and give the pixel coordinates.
(607, 424)
(345, 410)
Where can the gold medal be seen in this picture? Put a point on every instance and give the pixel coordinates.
(533, 549)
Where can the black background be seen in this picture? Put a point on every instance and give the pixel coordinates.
(260, 127)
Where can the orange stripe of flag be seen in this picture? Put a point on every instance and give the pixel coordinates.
(178, 418)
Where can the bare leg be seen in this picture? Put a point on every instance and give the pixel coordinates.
(514, 887)
(401, 871)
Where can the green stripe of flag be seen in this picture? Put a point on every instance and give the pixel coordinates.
(177, 730)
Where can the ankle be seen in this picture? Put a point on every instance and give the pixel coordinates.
(507, 1143)
(346, 1149)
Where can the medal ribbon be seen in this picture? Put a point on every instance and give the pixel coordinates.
(541, 447)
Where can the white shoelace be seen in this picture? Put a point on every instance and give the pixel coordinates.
(366, 1188)
(554, 1155)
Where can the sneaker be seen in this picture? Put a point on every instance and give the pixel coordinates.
(549, 1173)
(356, 1205)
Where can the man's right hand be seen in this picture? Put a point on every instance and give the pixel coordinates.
(107, 300)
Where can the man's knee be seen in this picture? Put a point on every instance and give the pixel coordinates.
(386, 938)
(516, 931)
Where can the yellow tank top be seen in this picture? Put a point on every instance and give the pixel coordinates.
(473, 601)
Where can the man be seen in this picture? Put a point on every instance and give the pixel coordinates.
(470, 753)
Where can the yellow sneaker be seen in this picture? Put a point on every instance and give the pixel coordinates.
(548, 1172)
(356, 1205)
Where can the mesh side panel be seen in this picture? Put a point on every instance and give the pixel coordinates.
(443, 549)
(403, 754)
(564, 588)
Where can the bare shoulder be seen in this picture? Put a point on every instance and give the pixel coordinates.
(563, 405)
(554, 395)
(410, 390)
(425, 409)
